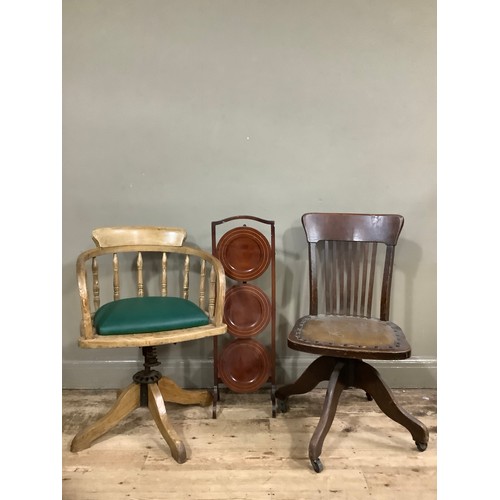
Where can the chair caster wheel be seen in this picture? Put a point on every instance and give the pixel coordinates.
(317, 465)
(283, 406)
(369, 397)
(421, 446)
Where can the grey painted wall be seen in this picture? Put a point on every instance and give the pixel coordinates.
(183, 112)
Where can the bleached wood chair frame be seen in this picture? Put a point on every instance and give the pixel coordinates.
(149, 387)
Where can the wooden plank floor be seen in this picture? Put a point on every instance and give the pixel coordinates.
(247, 454)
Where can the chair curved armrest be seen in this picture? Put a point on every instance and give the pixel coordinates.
(89, 293)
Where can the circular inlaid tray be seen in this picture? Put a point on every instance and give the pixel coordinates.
(244, 253)
(247, 310)
(244, 365)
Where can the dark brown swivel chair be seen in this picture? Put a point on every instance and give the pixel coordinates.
(343, 285)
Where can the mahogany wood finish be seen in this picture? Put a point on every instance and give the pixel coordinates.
(244, 365)
(161, 265)
(247, 310)
(351, 258)
(244, 252)
(246, 249)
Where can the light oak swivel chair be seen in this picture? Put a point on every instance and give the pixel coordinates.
(136, 290)
(340, 327)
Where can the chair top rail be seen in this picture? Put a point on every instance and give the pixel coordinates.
(138, 235)
(381, 228)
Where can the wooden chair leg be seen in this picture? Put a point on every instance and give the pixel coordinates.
(368, 378)
(156, 406)
(127, 401)
(335, 388)
(320, 369)
(172, 393)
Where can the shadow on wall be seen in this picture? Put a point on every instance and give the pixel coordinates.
(407, 261)
(292, 294)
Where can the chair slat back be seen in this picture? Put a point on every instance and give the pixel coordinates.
(347, 272)
(190, 267)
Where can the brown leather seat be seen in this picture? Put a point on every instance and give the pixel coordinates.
(347, 275)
